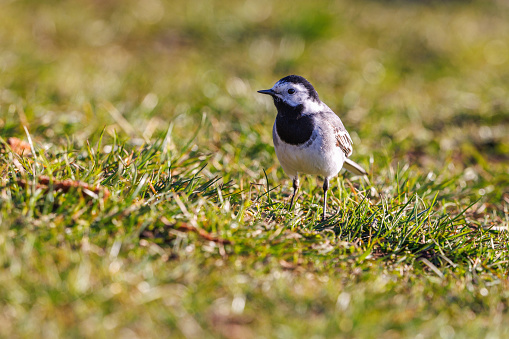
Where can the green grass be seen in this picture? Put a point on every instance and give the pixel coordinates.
(156, 103)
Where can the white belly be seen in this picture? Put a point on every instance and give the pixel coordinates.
(321, 157)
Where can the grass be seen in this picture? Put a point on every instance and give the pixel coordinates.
(182, 228)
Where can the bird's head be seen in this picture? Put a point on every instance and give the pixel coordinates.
(294, 91)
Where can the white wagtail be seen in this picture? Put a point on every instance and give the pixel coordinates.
(308, 136)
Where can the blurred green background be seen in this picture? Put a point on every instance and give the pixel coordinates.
(425, 81)
(422, 87)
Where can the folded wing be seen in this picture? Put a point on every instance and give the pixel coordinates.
(341, 135)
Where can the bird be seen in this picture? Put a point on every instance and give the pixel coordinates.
(309, 138)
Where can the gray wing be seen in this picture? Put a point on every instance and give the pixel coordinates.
(343, 139)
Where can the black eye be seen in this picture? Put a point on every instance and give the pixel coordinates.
(291, 91)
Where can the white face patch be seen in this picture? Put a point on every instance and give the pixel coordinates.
(296, 94)
(311, 106)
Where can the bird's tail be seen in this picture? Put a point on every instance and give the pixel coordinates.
(354, 168)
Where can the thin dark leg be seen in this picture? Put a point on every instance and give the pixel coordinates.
(295, 189)
(325, 189)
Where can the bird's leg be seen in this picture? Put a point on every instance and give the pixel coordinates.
(325, 188)
(295, 189)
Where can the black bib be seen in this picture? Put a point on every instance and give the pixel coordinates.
(292, 127)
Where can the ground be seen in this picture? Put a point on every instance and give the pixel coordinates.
(141, 196)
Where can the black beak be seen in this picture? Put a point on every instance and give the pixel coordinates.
(267, 91)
